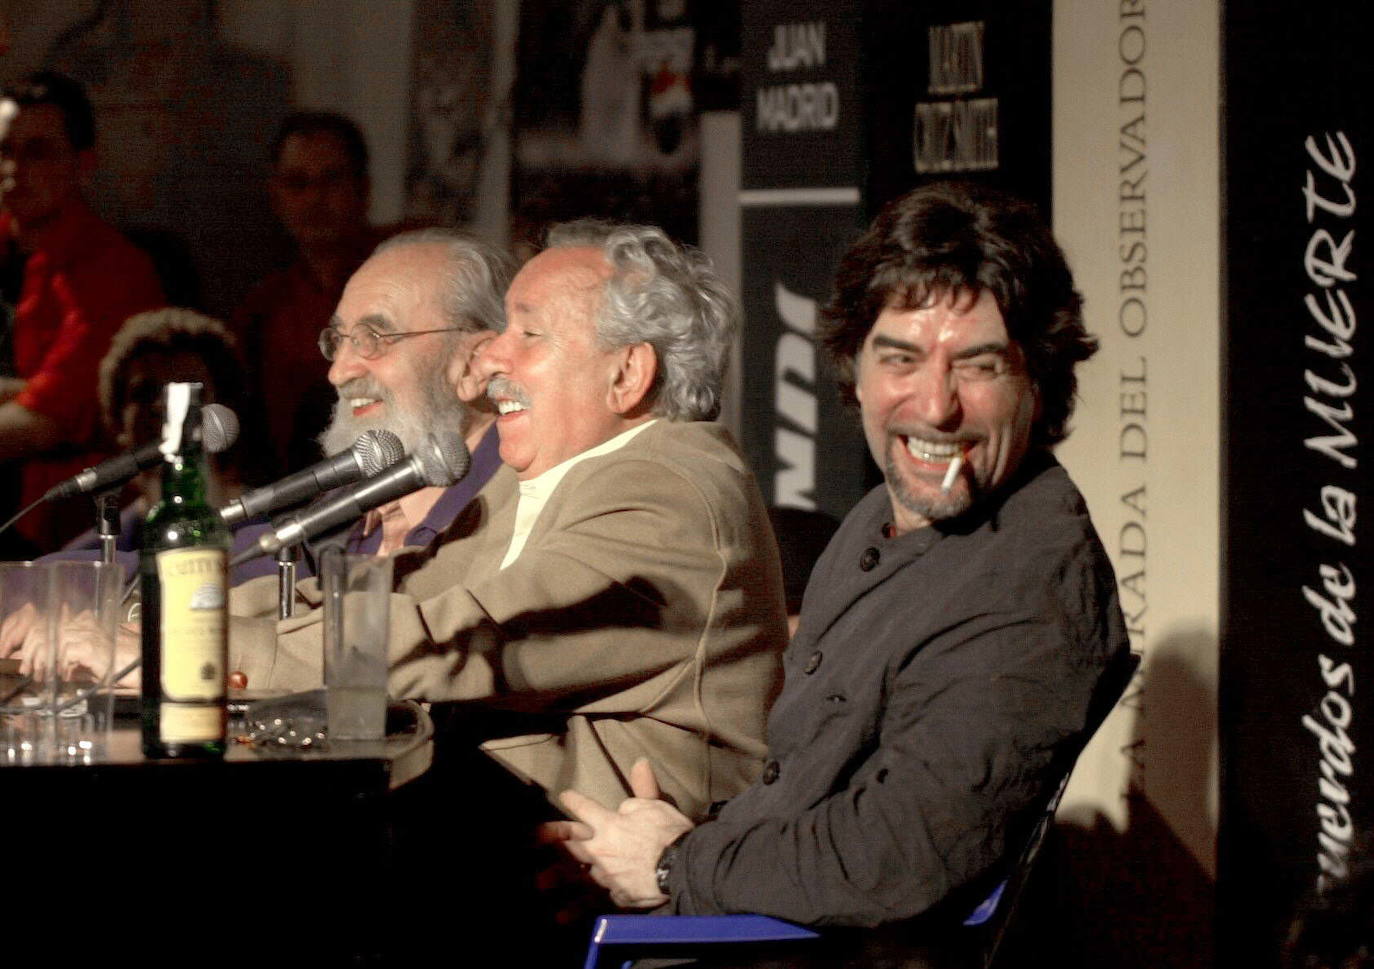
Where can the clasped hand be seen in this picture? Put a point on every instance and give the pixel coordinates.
(85, 652)
(621, 848)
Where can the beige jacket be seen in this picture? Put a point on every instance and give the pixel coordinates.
(644, 618)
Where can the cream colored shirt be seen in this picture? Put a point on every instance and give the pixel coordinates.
(536, 492)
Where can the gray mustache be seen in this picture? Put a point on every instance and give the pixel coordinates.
(506, 388)
(362, 387)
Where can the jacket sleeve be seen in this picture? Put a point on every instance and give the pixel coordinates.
(976, 726)
(619, 586)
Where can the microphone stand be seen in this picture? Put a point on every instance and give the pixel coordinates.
(287, 557)
(107, 524)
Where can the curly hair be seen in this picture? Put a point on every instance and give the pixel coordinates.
(670, 297)
(963, 240)
(172, 329)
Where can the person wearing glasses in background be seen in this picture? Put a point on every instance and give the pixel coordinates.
(319, 190)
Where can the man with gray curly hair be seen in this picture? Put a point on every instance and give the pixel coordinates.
(627, 602)
(624, 602)
(670, 298)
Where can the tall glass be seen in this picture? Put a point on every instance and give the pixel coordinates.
(58, 622)
(357, 599)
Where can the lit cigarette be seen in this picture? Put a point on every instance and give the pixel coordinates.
(952, 473)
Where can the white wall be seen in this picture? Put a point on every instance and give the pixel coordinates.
(1163, 743)
(351, 56)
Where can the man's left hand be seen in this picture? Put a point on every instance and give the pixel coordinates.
(622, 847)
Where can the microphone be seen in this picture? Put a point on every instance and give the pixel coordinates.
(440, 460)
(371, 454)
(219, 429)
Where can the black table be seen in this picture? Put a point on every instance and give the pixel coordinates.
(267, 858)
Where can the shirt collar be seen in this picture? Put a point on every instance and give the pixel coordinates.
(543, 485)
(486, 460)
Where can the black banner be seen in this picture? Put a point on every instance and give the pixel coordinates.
(802, 206)
(845, 106)
(1296, 737)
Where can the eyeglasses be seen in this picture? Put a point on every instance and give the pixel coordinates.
(367, 342)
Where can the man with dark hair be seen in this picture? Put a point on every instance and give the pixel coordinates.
(70, 281)
(961, 636)
(319, 190)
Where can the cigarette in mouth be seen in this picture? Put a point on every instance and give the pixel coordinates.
(952, 473)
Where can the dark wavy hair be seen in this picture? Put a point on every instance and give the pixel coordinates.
(964, 239)
(64, 93)
(344, 130)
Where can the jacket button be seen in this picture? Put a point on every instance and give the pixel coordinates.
(813, 663)
(771, 771)
(869, 559)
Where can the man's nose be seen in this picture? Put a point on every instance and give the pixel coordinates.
(935, 395)
(347, 364)
(491, 359)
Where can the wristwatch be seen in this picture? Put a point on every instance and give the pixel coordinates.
(665, 862)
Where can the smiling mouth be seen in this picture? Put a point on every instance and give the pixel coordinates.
(360, 404)
(505, 407)
(933, 452)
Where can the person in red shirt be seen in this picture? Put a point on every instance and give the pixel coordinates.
(80, 280)
(319, 190)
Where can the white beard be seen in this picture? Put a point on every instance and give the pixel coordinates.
(438, 409)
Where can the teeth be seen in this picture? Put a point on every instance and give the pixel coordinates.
(932, 451)
(509, 406)
(356, 402)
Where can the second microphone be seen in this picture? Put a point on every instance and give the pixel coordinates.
(371, 454)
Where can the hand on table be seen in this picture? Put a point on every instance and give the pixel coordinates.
(85, 646)
(16, 627)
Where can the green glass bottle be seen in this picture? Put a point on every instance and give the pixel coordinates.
(184, 574)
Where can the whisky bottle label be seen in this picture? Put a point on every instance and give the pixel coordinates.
(194, 624)
(180, 724)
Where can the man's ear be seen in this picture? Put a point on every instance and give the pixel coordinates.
(467, 381)
(635, 369)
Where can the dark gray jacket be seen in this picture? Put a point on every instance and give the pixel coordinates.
(938, 686)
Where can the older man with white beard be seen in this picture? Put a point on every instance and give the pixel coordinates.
(629, 603)
(399, 343)
(402, 337)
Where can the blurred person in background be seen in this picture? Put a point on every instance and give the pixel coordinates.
(150, 351)
(69, 282)
(319, 190)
